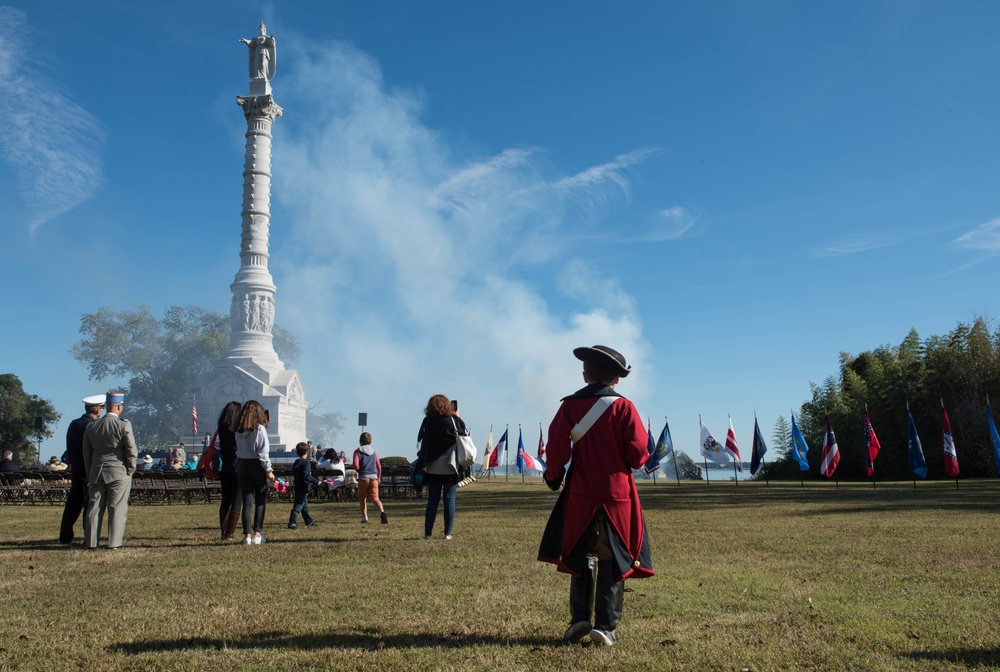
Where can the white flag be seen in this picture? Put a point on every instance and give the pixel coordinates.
(710, 448)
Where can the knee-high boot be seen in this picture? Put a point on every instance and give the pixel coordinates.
(232, 520)
(581, 602)
(223, 522)
(608, 605)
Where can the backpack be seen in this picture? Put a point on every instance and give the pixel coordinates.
(210, 462)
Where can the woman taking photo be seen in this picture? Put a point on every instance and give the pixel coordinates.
(229, 509)
(437, 435)
(255, 471)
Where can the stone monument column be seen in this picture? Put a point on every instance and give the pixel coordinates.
(250, 368)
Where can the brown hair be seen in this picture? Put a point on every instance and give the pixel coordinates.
(598, 374)
(251, 417)
(365, 439)
(301, 449)
(439, 405)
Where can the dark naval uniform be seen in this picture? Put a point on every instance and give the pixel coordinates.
(110, 454)
(76, 500)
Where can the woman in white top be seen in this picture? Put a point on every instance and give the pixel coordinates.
(332, 462)
(255, 472)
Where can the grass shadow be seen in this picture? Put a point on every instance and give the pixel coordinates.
(971, 658)
(372, 641)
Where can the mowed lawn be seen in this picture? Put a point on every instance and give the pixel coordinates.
(748, 576)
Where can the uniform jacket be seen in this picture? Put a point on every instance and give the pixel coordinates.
(74, 446)
(109, 452)
(600, 479)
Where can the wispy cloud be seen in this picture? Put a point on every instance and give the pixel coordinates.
(855, 245)
(984, 239)
(672, 223)
(51, 144)
(420, 271)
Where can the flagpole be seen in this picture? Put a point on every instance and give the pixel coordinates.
(673, 454)
(708, 480)
(506, 455)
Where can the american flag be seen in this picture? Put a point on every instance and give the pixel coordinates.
(194, 419)
(731, 446)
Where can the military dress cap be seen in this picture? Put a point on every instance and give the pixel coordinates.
(116, 398)
(94, 400)
(604, 357)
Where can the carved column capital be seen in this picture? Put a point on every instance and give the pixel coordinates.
(259, 107)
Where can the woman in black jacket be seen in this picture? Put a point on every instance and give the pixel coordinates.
(229, 510)
(437, 435)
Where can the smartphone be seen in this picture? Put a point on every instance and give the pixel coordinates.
(454, 405)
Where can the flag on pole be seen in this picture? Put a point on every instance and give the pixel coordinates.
(710, 448)
(994, 435)
(731, 446)
(541, 445)
(831, 453)
(487, 450)
(664, 447)
(950, 456)
(918, 465)
(194, 419)
(800, 449)
(872, 446)
(759, 448)
(524, 460)
(496, 457)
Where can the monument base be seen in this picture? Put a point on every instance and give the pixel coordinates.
(278, 390)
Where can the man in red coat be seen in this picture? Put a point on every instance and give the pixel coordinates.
(596, 526)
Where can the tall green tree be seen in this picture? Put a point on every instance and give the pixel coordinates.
(781, 437)
(157, 361)
(18, 411)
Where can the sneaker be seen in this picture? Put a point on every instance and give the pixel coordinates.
(447, 536)
(602, 637)
(385, 518)
(427, 538)
(364, 520)
(246, 541)
(577, 631)
(311, 523)
(259, 539)
(292, 527)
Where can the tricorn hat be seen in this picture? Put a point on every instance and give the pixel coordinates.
(604, 357)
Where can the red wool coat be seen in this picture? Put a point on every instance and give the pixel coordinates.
(600, 479)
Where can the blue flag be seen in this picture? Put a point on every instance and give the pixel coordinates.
(664, 447)
(995, 436)
(918, 465)
(800, 449)
(759, 448)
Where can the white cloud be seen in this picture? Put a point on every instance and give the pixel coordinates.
(51, 144)
(855, 245)
(417, 271)
(672, 223)
(983, 238)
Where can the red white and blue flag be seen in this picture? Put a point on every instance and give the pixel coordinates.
(541, 444)
(950, 456)
(831, 453)
(872, 446)
(496, 457)
(194, 419)
(525, 461)
(731, 448)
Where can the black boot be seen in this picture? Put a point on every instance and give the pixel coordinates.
(608, 605)
(581, 603)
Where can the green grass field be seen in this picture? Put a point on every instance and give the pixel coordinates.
(764, 578)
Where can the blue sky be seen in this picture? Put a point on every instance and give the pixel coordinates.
(729, 193)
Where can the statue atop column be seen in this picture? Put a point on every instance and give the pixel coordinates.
(262, 56)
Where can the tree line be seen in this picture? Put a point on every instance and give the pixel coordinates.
(960, 369)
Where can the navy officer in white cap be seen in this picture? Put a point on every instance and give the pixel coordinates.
(76, 500)
(110, 455)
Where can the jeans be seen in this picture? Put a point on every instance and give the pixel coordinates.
(433, 499)
(232, 501)
(253, 487)
(300, 505)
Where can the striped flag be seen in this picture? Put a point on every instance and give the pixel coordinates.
(664, 447)
(524, 460)
(950, 456)
(918, 465)
(194, 419)
(872, 446)
(496, 457)
(541, 444)
(831, 453)
(731, 446)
